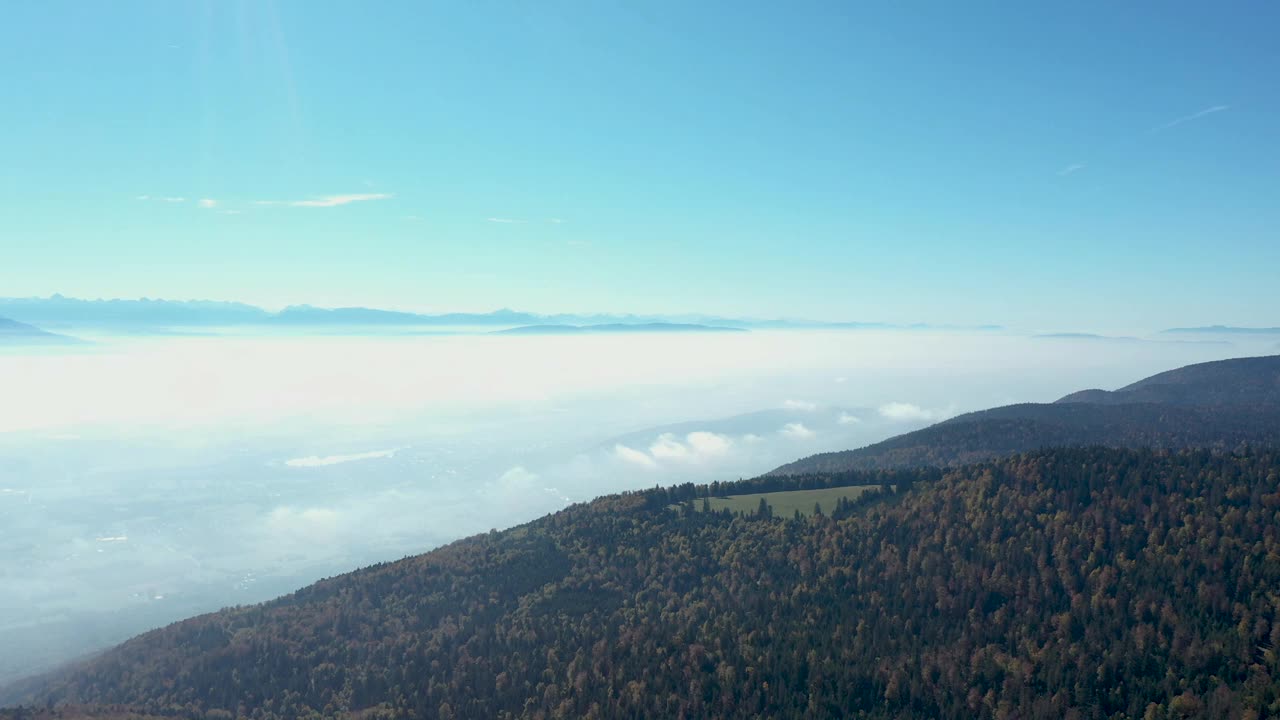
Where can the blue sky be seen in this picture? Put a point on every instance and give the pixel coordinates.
(1084, 166)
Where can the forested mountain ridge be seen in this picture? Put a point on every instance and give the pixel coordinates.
(1217, 405)
(1239, 381)
(1090, 582)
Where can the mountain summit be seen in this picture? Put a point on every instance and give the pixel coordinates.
(1214, 404)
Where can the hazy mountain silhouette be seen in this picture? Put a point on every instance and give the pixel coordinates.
(13, 332)
(1226, 330)
(146, 313)
(614, 328)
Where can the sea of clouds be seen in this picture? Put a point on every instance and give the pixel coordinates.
(147, 479)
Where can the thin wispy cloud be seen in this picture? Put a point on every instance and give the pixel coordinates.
(1077, 167)
(328, 200)
(336, 200)
(173, 199)
(514, 221)
(230, 212)
(1192, 116)
(207, 203)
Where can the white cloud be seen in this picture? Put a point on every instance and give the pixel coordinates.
(578, 243)
(328, 200)
(114, 539)
(799, 405)
(904, 412)
(143, 197)
(666, 447)
(207, 203)
(796, 430)
(517, 478)
(174, 199)
(842, 380)
(708, 444)
(319, 461)
(506, 221)
(230, 212)
(555, 221)
(633, 456)
(1070, 169)
(698, 446)
(1192, 116)
(847, 419)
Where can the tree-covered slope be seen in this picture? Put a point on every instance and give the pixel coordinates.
(1003, 431)
(1091, 583)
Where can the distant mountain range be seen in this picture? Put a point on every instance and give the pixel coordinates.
(1215, 404)
(656, 327)
(147, 313)
(1226, 330)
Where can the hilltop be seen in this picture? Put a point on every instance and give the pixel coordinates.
(1216, 404)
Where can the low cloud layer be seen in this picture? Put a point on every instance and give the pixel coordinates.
(796, 430)
(322, 461)
(908, 412)
(242, 468)
(700, 446)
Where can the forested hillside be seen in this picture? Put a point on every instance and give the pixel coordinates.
(1089, 583)
(1004, 431)
(1210, 405)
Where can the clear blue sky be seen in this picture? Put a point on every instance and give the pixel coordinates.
(1064, 166)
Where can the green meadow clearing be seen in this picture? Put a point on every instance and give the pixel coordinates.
(785, 504)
